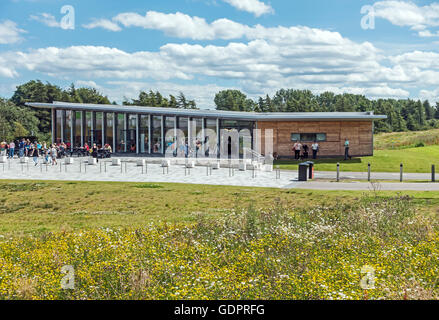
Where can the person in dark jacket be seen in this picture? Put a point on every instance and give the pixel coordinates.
(35, 155)
(94, 152)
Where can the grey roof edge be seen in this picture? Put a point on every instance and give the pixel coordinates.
(270, 116)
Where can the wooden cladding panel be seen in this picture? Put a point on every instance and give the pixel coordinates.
(359, 133)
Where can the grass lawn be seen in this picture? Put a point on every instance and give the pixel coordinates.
(38, 207)
(416, 160)
(176, 241)
(409, 139)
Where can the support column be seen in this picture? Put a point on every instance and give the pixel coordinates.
(82, 128)
(92, 128)
(63, 118)
(125, 127)
(53, 125)
(162, 138)
(137, 133)
(113, 147)
(72, 138)
(218, 137)
(104, 122)
(149, 134)
(203, 136)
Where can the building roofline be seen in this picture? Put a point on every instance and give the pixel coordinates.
(233, 115)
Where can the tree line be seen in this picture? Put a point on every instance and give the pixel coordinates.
(17, 119)
(402, 114)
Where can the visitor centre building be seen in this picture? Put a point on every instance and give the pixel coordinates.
(150, 131)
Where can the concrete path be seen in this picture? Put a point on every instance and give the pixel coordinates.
(384, 186)
(374, 175)
(104, 171)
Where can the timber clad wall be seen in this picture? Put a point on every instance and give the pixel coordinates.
(359, 134)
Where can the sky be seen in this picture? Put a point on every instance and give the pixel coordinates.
(380, 49)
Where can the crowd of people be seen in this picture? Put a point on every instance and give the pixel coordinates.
(302, 151)
(48, 152)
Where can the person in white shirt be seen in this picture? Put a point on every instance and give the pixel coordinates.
(297, 148)
(346, 149)
(315, 149)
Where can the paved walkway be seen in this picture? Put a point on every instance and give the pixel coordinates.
(153, 172)
(374, 175)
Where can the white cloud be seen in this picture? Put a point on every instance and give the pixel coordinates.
(46, 19)
(408, 14)
(103, 23)
(258, 8)
(9, 33)
(272, 58)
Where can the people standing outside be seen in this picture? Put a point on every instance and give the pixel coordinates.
(35, 154)
(305, 151)
(3, 148)
(53, 154)
(94, 152)
(346, 149)
(297, 148)
(21, 148)
(315, 149)
(11, 150)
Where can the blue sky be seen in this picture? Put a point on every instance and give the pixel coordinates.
(203, 46)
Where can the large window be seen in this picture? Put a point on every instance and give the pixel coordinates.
(144, 134)
(120, 133)
(308, 137)
(109, 125)
(156, 134)
(131, 133)
(170, 134)
(68, 129)
(88, 129)
(77, 141)
(58, 121)
(97, 134)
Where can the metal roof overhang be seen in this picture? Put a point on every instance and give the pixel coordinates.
(232, 115)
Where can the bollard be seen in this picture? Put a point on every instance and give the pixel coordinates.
(100, 167)
(125, 167)
(60, 166)
(368, 172)
(401, 172)
(433, 173)
(338, 172)
(277, 173)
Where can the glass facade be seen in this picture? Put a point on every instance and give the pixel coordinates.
(131, 133)
(68, 129)
(58, 124)
(77, 141)
(109, 126)
(144, 133)
(120, 133)
(87, 131)
(97, 132)
(170, 134)
(156, 134)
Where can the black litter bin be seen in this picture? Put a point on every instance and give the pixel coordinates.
(303, 171)
(311, 170)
